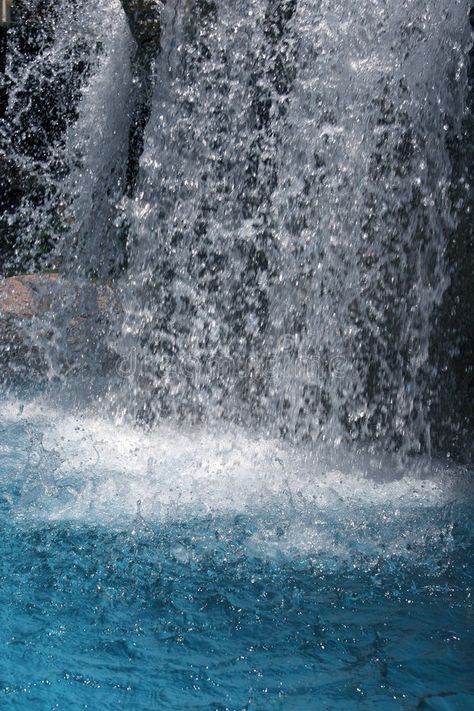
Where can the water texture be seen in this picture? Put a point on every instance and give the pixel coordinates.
(222, 485)
(188, 570)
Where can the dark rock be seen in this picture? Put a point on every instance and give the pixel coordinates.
(144, 18)
(145, 25)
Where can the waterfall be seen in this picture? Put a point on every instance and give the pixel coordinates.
(289, 227)
(65, 65)
(285, 243)
(64, 135)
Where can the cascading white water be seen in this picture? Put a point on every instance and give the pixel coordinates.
(78, 154)
(286, 241)
(288, 233)
(71, 155)
(271, 276)
(96, 149)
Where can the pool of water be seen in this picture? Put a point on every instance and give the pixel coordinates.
(182, 569)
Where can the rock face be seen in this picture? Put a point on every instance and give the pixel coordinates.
(145, 25)
(144, 18)
(27, 295)
(22, 298)
(35, 308)
(32, 295)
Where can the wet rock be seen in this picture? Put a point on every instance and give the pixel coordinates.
(144, 17)
(21, 298)
(29, 295)
(36, 309)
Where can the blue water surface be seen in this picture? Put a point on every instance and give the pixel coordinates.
(218, 611)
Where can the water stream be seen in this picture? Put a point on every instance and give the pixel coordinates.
(285, 246)
(220, 486)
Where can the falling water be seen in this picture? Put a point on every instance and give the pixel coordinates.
(232, 345)
(288, 233)
(72, 153)
(282, 260)
(65, 64)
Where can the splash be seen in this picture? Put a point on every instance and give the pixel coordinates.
(85, 468)
(287, 243)
(281, 262)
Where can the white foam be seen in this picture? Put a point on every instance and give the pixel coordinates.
(85, 467)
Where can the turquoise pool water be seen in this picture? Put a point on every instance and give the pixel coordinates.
(180, 570)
